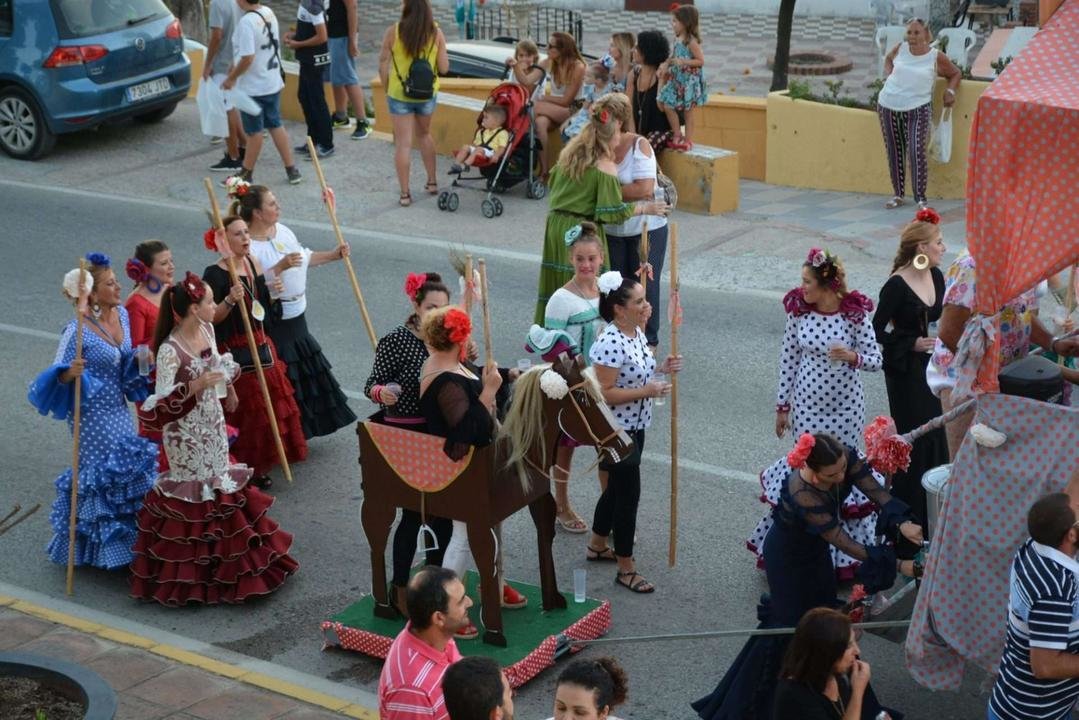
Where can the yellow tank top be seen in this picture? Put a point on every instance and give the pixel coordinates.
(403, 62)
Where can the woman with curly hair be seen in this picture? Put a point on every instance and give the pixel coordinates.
(642, 86)
(584, 186)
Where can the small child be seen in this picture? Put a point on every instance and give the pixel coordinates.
(524, 68)
(596, 84)
(489, 143)
(683, 88)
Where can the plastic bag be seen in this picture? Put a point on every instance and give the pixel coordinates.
(940, 140)
(243, 102)
(212, 113)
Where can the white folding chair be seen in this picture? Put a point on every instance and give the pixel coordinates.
(887, 38)
(960, 41)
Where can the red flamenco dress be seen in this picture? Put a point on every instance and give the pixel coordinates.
(255, 445)
(203, 532)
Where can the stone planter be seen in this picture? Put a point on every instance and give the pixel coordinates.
(68, 679)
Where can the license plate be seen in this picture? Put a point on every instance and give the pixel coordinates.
(148, 89)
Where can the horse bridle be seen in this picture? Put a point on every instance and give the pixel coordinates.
(598, 443)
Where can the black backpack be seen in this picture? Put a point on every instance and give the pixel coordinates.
(420, 83)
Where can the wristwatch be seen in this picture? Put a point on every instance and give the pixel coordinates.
(949, 90)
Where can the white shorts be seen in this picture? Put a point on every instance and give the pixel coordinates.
(220, 78)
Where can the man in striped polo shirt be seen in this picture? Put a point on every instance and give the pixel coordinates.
(1039, 671)
(410, 687)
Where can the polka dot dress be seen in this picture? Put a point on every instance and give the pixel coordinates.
(398, 359)
(116, 466)
(635, 364)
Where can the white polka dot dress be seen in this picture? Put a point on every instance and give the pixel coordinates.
(635, 364)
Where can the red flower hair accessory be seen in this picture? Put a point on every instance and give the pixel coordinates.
(193, 287)
(886, 451)
(796, 458)
(602, 117)
(459, 324)
(137, 270)
(208, 240)
(413, 283)
(674, 6)
(928, 215)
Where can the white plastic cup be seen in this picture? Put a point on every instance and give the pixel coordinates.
(524, 365)
(580, 584)
(221, 389)
(660, 399)
(833, 345)
(142, 354)
(393, 388)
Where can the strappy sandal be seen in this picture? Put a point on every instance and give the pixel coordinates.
(604, 555)
(894, 203)
(641, 586)
(431, 187)
(575, 524)
(405, 200)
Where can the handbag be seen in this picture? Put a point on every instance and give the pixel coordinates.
(670, 192)
(940, 140)
(242, 357)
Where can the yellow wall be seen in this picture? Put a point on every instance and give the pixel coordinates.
(736, 123)
(196, 57)
(827, 147)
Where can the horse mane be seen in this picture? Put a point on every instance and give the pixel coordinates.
(525, 424)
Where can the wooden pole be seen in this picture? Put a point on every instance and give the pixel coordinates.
(672, 552)
(73, 515)
(489, 353)
(341, 241)
(642, 249)
(470, 292)
(252, 346)
(1069, 303)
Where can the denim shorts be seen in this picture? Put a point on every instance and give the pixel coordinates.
(270, 117)
(342, 67)
(417, 107)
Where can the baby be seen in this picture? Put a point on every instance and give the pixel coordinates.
(596, 84)
(489, 142)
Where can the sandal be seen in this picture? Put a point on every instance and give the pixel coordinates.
(405, 200)
(641, 587)
(431, 187)
(604, 555)
(894, 203)
(468, 632)
(575, 524)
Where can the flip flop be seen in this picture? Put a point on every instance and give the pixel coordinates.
(405, 200)
(575, 525)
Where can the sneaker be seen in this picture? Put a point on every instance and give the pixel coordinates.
(216, 140)
(301, 150)
(341, 121)
(362, 130)
(294, 176)
(245, 175)
(511, 599)
(322, 152)
(456, 169)
(227, 164)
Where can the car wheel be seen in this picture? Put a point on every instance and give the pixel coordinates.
(23, 132)
(156, 116)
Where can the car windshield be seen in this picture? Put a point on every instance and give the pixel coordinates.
(82, 18)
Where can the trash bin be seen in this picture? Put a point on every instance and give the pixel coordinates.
(935, 482)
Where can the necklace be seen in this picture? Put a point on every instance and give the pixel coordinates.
(107, 333)
(580, 291)
(257, 311)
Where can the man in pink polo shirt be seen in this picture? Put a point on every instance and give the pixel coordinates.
(410, 687)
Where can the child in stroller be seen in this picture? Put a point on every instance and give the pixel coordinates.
(488, 144)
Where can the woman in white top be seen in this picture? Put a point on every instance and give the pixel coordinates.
(637, 174)
(571, 323)
(565, 68)
(905, 107)
(323, 407)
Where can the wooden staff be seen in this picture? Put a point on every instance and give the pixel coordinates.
(672, 551)
(340, 242)
(470, 292)
(252, 346)
(489, 353)
(72, 519)
(1069, 303)
(643, 251)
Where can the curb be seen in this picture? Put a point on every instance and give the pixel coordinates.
(336, 697)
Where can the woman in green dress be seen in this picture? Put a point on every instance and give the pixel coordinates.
(584, 186)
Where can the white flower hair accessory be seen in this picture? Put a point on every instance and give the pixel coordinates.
(609, 281)
(553, 385)
(71, 283)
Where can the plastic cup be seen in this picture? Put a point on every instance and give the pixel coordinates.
(833, 345)
(142, 354)
(524, 365)
(660, 399)
(580, 584)
(221, 389)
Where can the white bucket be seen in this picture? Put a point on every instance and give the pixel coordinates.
(935, 482)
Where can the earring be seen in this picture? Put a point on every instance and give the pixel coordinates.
(921, 261)
(95, 310)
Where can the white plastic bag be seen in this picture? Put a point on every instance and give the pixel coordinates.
(212, 114)
(940, 140)
(243, 102)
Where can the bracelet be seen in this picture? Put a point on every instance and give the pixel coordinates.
(949, 90)
(784, 408)
(376, 393)
(229, 301)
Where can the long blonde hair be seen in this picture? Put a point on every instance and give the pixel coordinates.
(916, 233)
(596, 139)
(568, 57)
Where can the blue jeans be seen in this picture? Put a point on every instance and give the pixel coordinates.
(270, 117)
(342, 65)
(418, 107)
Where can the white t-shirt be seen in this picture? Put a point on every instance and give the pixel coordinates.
(223, 14)
(252, 37)
(269, 253)
(638, 166)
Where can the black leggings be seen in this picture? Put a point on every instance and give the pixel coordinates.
(404, 543)
(617, 506)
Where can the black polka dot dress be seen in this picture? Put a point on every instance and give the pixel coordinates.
(399, 357)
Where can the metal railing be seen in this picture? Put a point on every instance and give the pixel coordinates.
(539, 22)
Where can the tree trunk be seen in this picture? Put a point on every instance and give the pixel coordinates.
(192, 16)
(783, 44)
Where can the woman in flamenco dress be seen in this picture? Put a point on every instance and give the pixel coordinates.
(800, 573)
(203, 532)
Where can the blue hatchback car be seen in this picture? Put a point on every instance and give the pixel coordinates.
(68, 65)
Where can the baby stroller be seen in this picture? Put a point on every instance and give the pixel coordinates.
(517, 164)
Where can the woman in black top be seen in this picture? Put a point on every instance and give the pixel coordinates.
(822, 677)
(255, 445)
(910, 300)
(651, 51)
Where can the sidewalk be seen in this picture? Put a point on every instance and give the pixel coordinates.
(156, 680)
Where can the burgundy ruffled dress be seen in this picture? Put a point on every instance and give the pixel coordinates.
(203, 532)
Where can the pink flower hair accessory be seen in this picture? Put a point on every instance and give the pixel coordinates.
(886, 451)
(817, 257)
(797, 457)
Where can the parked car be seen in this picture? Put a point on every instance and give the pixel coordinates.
(69, 65)
(485, 59)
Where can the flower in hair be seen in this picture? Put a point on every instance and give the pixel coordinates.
(413, 283)
(236, 187)
(99, 259)
(610, 281)
(602, 117)
(459, 325)
(797, 457)
(193, 287)
(136, 270)
(817, 257)
(209, 239)
(572, 234)
(674, 6)
(928, 215)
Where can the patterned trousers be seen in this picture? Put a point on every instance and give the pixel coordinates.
(906, 135)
